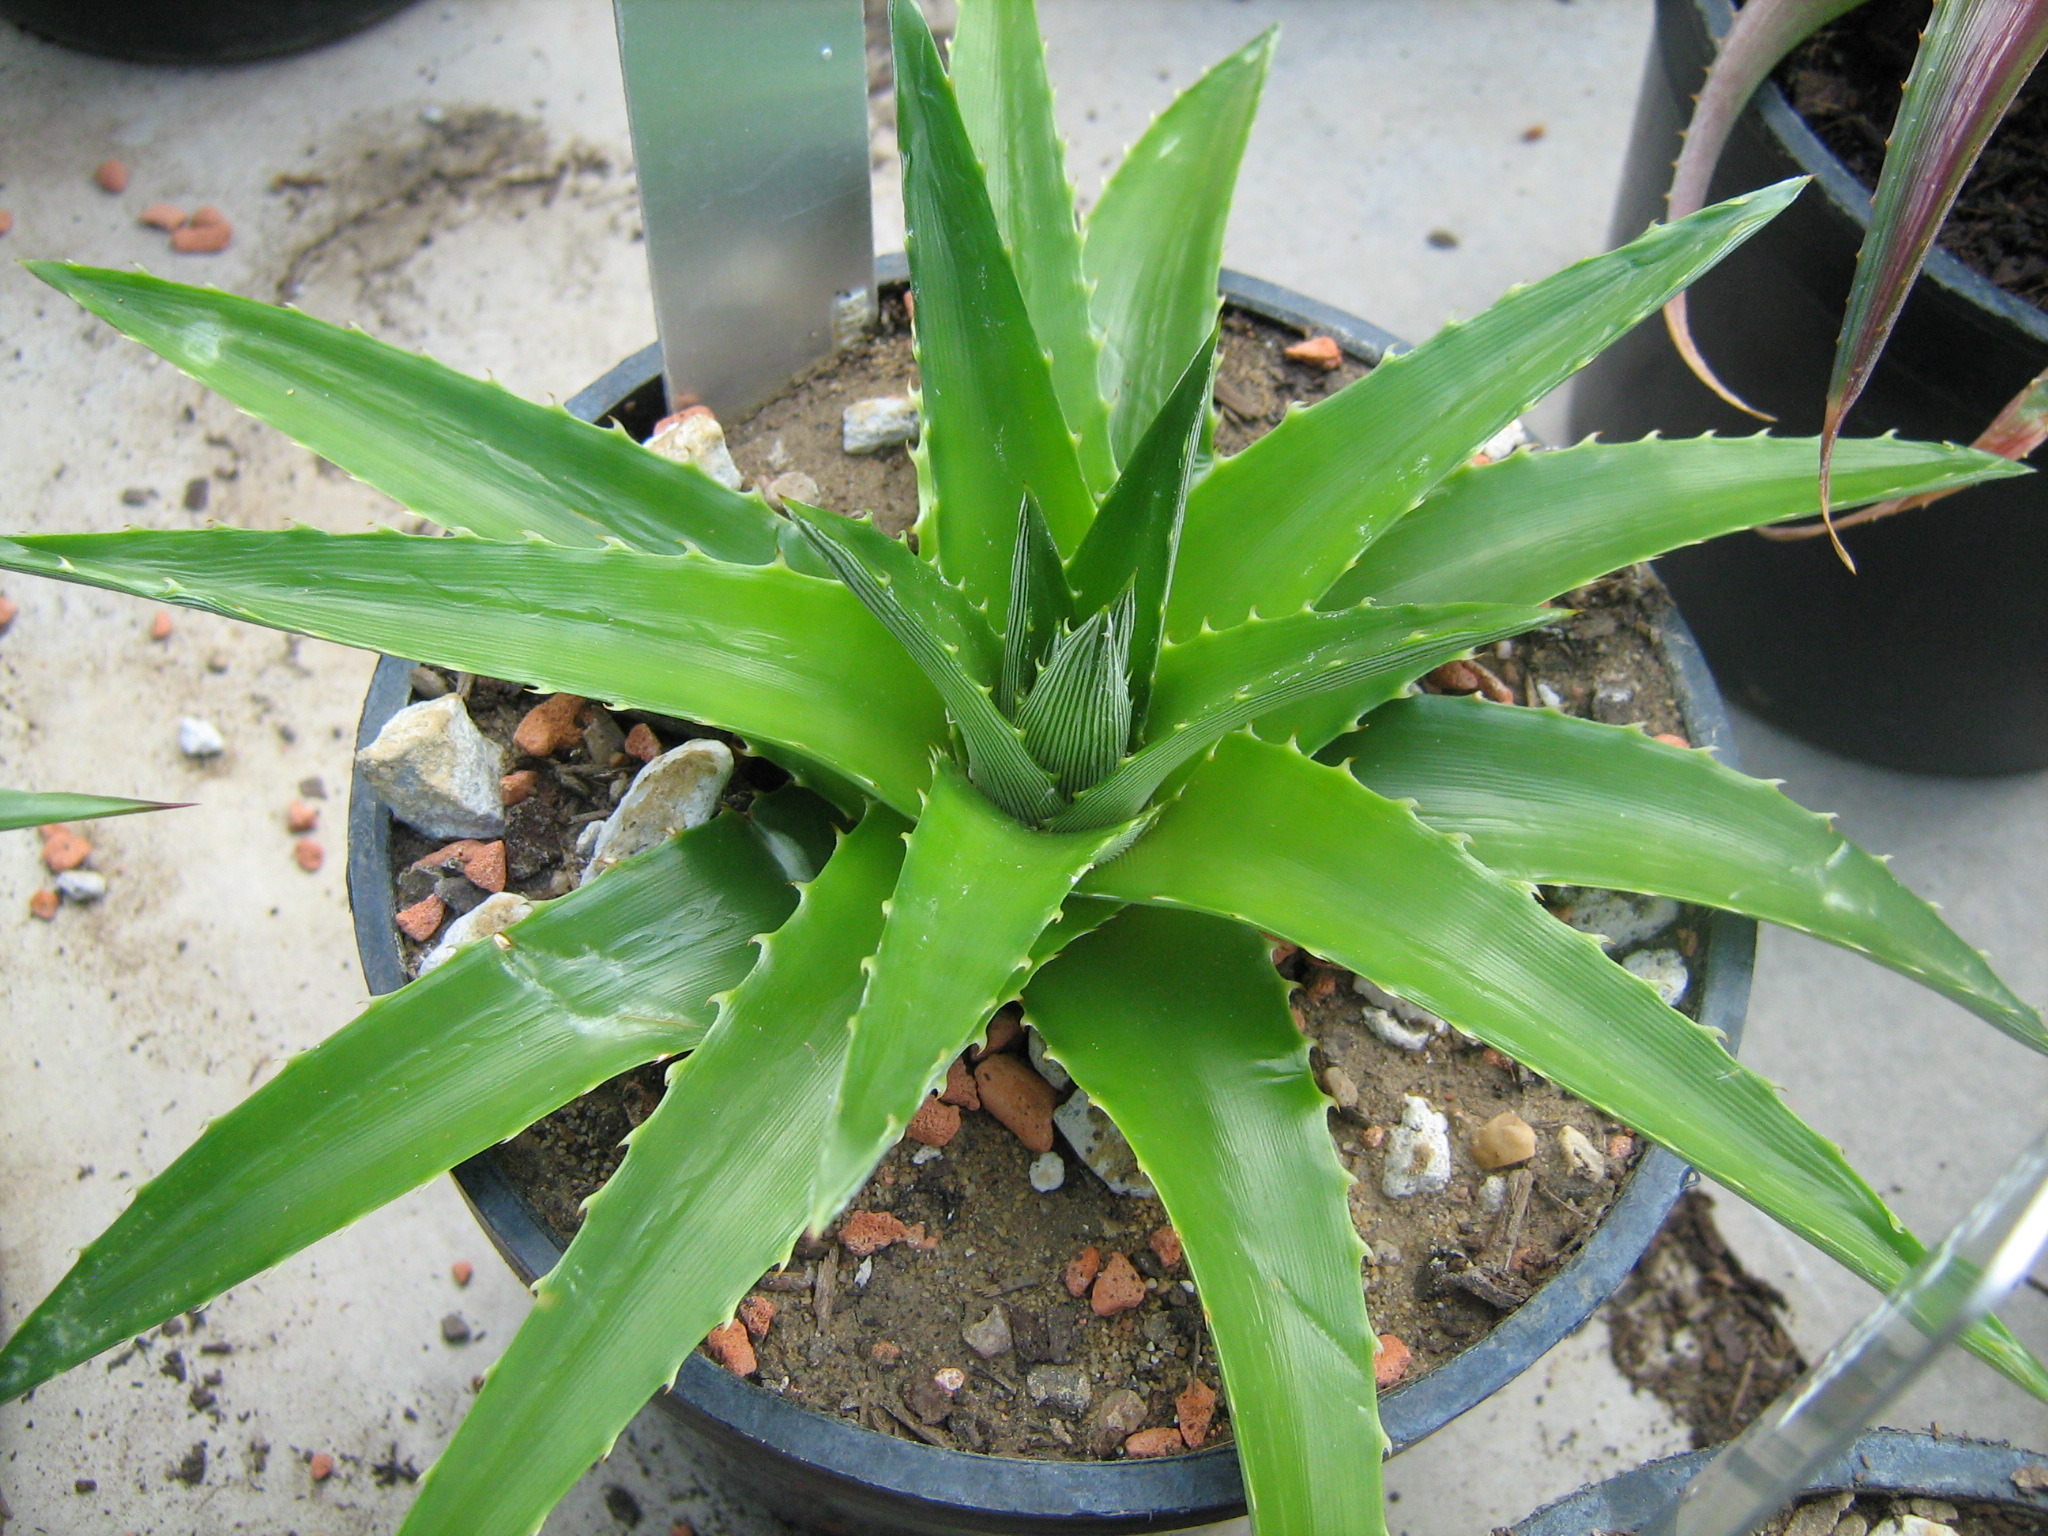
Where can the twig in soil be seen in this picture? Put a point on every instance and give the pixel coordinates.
(1741, 1393)
(990, 1292)
(823, 1289)
(792, 1281)
(993, 1375)
(923, 1432)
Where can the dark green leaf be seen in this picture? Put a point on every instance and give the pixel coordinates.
(1040, 607)
(1077, 722)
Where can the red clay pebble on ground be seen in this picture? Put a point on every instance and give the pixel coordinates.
(1193, 1410)
(1671, 739)
(163, 215)
(1620, 1145)
(517, 788)
(420, 921)
(1494, 1058)
(1470, 677)
(1004, 1031)
(321, 1466)
(6, 221)
(461, 1270)
(63, 849)
(643, 743)
(1374, 1135)
(551, 726)
(309, 854)
(960, 1087)
(1117, 1289)
(758, 1313)
(1391, 1363)
(1166, 1244)
(8, 607)
(1154, 1442)
(112, 176)
(869, 1232)
(1318, 352)
(301, 817)
(202, 239)
(731, 1348)
(1018, 1097)
(160, 625)
(43, 904)
(883, 1352)
(935, 1123)
(482, 864)
(206, 216)
(1081, 1271)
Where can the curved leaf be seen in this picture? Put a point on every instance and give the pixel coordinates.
(1548, 798)
(616, 974)
(1231, 1130)
(30, 808)
(464, 452)
(1304, 851)
(713, 1191)
(1327, 481)
(787, 660)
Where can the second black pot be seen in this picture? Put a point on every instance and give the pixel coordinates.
(1928, 659)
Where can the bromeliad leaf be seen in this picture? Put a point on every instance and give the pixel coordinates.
(1547, 798)
(1329, 480)
(614, 975)
(1275, 840)
(463, 452)
(784, 660)
(1040, 607)
(713, 1191)
(993, 428)
(1231, 1130)
(30, 808)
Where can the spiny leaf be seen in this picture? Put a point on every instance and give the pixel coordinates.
(998, 67)
(616, 974)
(1040, 607)
(993, 428)
(30, 808)
(784, 660)
(1304, 851)
(1547, 798)
(1155, 239)
(1326, 482)
(463, 452)
(1077, 722)
(1232, 1131)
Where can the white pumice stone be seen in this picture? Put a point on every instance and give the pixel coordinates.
(869, 426)
(489, 918)
(1619, 919)
(200, 738)
(1663, 969)
(1098, 1143)
(677, 791)
(695, 437)
(1418, 1152)
(436, 771)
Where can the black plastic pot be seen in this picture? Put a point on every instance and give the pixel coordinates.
(1887, 1461)
(1929, 658)
(195, 31)
(824, 1473)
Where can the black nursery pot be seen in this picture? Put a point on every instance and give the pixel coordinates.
(1928, 659)
(195, 31)
(823, 1473)
(1886, 1461)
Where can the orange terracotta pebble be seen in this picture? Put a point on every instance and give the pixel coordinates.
(869, 1232)
(420, 921)
(1469, 677)
(202, 239)
(935, 1123)
(1282, 950)
(1494, 1058)
(1005, 1031)
(112, 176)
(682, 1528)
(1147, 1443)
(1081, 1271)
(960, 1087)
(63, 849)
(1390, 1364)
(517, 788)
(643, 743)
(482, 864)
(1374, 1135)
(8, 607)
(1620, 1145)
(206, 216)
(309, 854)
(1166, 1244)
(731, 1348)
(43, 904)
(1322, 982)
(915, 1237)
(1671, 739)
(163, 215)
(301, 817)
(553, 725)
(6, 221)
(758, 1313)
(320, 1466)
(882, 1352)
(160, 625)
(1018, 1097)
(461, 1270)
(1117, 1289)
(1318, 352)
(1193, 1410)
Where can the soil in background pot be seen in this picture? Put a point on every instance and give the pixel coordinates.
(1846, 1514)
(1067, 1313)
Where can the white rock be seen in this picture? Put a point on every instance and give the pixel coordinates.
(1619, 919)
(695, 437)
(82, 885)
(1338, 1085)
(864, 1274)
(1408, 1013)
(1663, 969)
(1818, 1518)
(1050, 1070)
(1493, 1193)
(1580, 1155)
(1913, 1525)
(794, 485)
(1048, 1172)
(1393, 1031)
(586, 840)
(436, 771)
(1096, 1140)
(488, 918)
(1549, 697)
(200, 738)
(925, 1155)
(1418, 1152)
(869, 426)
(1504, 442)
(991, 1336)
(677, 791)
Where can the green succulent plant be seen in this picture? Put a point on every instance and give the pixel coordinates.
(1121, 712)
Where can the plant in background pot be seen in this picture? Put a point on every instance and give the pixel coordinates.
(1119, 713)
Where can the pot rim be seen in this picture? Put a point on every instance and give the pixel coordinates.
(1883, 1461)
(1835, 181)
(1199, 1487)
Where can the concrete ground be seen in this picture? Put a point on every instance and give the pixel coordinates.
(459, 180)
